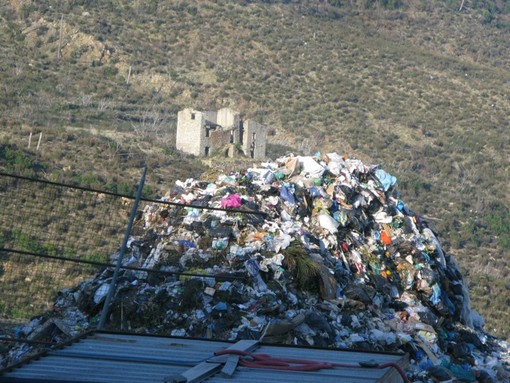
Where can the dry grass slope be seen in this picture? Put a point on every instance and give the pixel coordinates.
(422, 89)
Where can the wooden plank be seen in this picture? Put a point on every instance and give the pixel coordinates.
(201, 371)
(244, 345)
(206, 369)
(230, 366)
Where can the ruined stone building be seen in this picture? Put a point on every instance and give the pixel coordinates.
(221, 132)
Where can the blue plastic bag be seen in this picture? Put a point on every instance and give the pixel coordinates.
(386, 180)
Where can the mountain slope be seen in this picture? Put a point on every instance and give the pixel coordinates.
(421, 89)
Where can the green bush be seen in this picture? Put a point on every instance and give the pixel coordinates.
(110, 71)
(498, 220)
(95, 257)
(23, 241)
(15, 161)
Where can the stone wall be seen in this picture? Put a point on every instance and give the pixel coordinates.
(227, 118)
(190, 136)
(220, 140)
(205, 133)
(254, 139)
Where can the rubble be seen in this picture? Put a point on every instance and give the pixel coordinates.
(324, 254)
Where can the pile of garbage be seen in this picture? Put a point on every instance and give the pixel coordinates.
(305, 250)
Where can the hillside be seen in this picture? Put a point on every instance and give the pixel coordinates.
(421, 88)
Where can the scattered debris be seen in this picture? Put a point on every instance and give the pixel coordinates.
(326, 255)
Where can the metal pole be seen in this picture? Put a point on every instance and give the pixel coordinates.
(123, 248)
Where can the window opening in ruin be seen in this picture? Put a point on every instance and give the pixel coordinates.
(206, 151)
(241, 132)
(192, 116)
(207, 132)
(232, 136)
(253, 143)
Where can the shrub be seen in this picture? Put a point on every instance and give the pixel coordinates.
(498, 220)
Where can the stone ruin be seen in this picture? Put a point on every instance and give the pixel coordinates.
(223, 132)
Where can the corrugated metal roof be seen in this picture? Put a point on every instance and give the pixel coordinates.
(106, 357)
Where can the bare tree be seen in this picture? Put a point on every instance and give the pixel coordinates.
(152, 123)
(103, 105)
